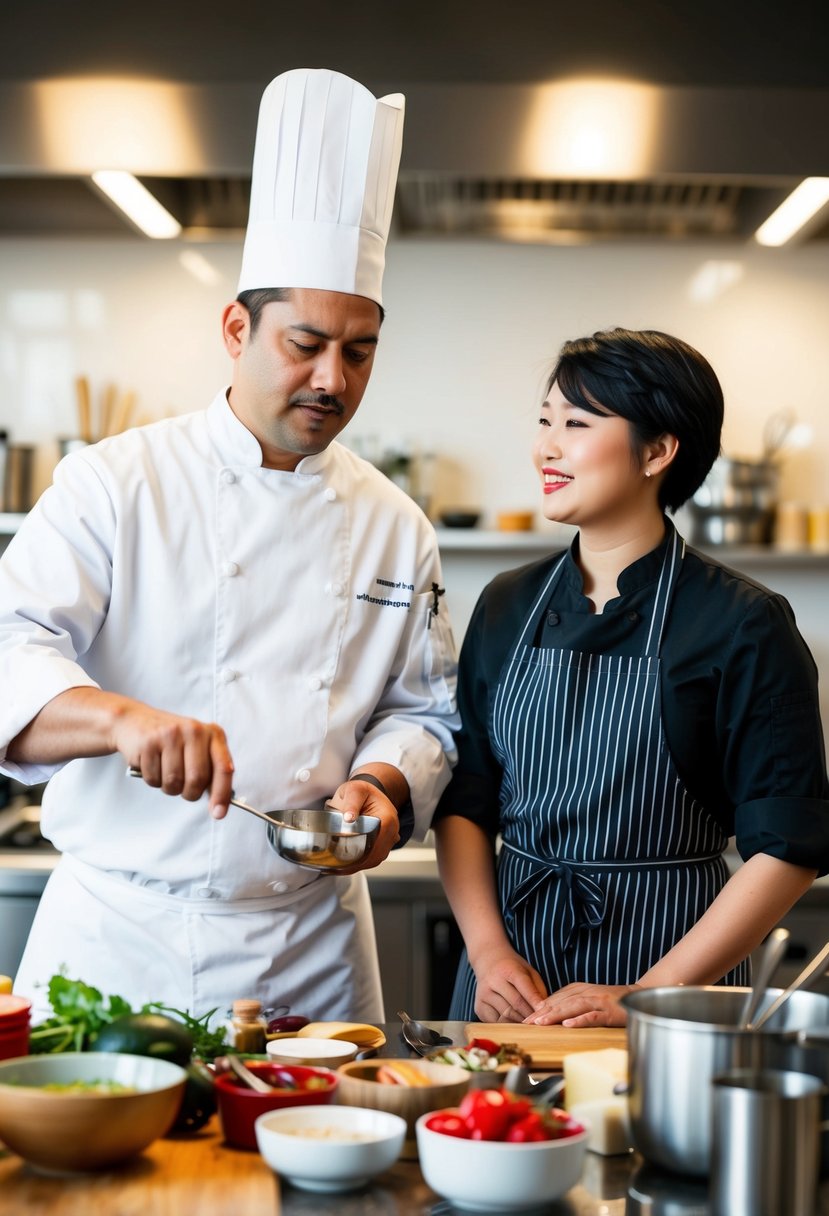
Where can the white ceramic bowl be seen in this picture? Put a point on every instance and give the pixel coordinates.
(303, 1145)
(72, 1132)
(319, 1053)
(494, 1176)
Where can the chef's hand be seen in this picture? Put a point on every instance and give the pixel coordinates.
(178, 755)
(583, 1005)
(508, 988)
(356, 798)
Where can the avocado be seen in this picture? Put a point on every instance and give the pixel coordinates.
(147, 1034)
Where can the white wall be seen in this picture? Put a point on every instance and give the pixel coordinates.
(471, 332)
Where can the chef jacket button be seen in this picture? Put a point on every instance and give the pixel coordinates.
(315, 683)
(330, 495)
(279, 887)
(337, 588)
(228, 477)
(553, 618)
(304, 775)
(227, 675)
(633, 616)
(206, 893)
(230, 569)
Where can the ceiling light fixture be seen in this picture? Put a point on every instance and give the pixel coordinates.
(805, 201)
(136, 202)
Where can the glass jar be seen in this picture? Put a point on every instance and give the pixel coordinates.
(248, 1027)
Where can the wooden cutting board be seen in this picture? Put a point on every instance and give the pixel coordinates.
(549, 1044)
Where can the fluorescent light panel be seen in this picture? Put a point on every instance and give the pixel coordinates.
(795, 211)
(136, 202)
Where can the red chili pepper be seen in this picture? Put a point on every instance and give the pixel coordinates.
(528, 1130)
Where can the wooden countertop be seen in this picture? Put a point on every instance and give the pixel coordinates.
(196, 1175)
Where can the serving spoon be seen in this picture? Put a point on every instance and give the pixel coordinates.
(773, 952)
(271, 819)
(519, 1080)
(420, 1037)
(811, 969)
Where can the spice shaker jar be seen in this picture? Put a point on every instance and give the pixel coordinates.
(248, 1027)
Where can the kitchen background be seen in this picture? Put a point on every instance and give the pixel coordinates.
(503, 247)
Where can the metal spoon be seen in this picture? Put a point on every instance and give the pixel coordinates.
(245, 1074)
(773, 952)
(271, 819)
(519, 1080)
(420, 1037)
(813, 968)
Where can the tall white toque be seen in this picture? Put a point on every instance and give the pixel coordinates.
(324, 174)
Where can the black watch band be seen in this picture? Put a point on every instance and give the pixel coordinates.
(405, 814)
(372, 780)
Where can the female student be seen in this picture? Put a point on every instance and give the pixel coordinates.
(627, 706)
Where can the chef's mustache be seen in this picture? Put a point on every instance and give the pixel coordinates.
(325, 400)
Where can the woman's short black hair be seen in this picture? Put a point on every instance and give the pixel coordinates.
(661, 385)
(256, 299)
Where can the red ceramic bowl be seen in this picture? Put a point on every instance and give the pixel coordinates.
(239, 1106)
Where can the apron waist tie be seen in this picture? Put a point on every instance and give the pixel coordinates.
(585, 898)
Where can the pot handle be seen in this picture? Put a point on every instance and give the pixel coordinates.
(811, 1038)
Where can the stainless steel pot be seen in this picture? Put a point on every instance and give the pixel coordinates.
(736, 503)
(679, 1039)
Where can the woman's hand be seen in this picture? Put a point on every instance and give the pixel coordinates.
(509, 989)
(582, 1005)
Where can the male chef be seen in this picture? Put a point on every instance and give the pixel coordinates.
(232, 600)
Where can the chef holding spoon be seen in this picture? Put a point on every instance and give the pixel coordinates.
(233, 600)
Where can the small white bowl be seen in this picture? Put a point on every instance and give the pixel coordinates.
(302, 1145)
(319, 1053)
(496, 1176)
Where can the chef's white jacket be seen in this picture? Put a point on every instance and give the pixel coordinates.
(294, 609)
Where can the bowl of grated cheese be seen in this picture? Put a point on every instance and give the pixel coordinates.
(329, 1148)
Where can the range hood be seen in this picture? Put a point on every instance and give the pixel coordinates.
(560, 162)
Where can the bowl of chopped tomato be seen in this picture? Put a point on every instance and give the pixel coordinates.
(496, 1152)
(293, 1085)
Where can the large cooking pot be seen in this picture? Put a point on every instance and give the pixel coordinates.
(679, 1039)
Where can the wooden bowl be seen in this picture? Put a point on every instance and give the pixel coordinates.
(65, 1131)
(359, 1087)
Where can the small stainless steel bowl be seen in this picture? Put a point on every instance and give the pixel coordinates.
(322, 839)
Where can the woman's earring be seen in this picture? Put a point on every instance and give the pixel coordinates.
(647, 472)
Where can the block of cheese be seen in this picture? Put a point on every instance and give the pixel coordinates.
(5, 984)
(589, 1075)
(609, 1124)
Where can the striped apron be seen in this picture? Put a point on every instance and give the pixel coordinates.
(606, 859)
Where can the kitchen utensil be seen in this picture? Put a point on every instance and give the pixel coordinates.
(314, 839)
(420, 1037)
(270, 819)
(765, 1143)
(548, 1045)
(772, 953)
(322, 839)
(244, 1074)
(811, 970)
(17, 488)
(330, 1148)
(74, 1131)
(542, 1090)
(776, 431)
(460, 517)
(286, 1086)
(680, 1038)
(736, 503)
(359, 1086)
(499, 1175)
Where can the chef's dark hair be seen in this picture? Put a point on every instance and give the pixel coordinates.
(660, 385)
(256, 299)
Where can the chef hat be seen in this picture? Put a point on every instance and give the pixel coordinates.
(324, 173)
